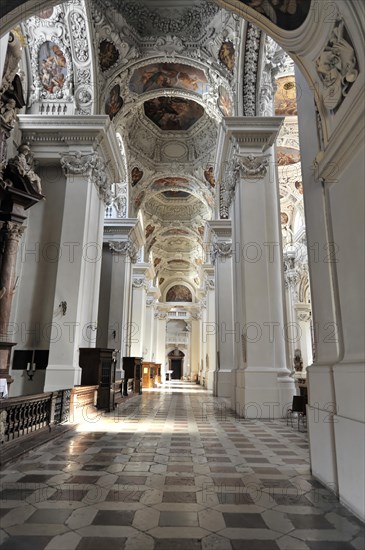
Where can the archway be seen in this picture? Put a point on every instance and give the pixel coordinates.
(331, 185)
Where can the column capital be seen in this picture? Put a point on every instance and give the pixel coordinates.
(124, 248)
(252, 167)
(161, 315)
(91, 165)
(139, 282)
(250, 134)
(14, 230)
(222, 250)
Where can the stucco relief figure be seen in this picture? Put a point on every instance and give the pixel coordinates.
(23, 162)
(337, 67)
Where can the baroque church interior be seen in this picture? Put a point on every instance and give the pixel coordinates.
(182, 275)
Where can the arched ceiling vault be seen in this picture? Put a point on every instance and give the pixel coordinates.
(167, 76)
(166, 73)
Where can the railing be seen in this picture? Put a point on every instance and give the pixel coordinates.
(23, 415)
(178, 338)
(178, 314)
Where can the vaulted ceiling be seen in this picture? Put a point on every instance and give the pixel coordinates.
(166, 72)
(173, 66)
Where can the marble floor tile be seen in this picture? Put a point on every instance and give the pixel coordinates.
(182, 473)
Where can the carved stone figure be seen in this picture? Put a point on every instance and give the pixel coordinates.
(12, 59)
(24, 163)
(298, 363)
(8, 113)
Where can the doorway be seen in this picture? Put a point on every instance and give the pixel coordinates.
(176, 363)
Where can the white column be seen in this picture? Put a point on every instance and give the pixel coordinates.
(150, 329)
(161, 319)
(303, 317)
(291, 277)
(208, 332)
(124, 254)
(78, 272)
(139, 293)
(264, 386)
(195, 345)
(226, 331)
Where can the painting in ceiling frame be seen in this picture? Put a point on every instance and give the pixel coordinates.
(173, 113)
(159, 76)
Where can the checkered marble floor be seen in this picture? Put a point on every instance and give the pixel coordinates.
(176, 470)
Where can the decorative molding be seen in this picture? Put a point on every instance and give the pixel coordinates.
(148, 22)
(274, 61)
(228, 186)
(79, 37)
(250, 70)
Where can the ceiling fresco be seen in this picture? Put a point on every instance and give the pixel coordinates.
(173, 113)
(285, 97)
(176, 194)
(168, 75)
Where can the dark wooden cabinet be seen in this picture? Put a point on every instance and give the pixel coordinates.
(98, 368)
(132, 367)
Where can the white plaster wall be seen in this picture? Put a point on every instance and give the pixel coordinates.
(37, 263)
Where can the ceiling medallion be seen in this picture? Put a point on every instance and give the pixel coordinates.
(175, 150)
